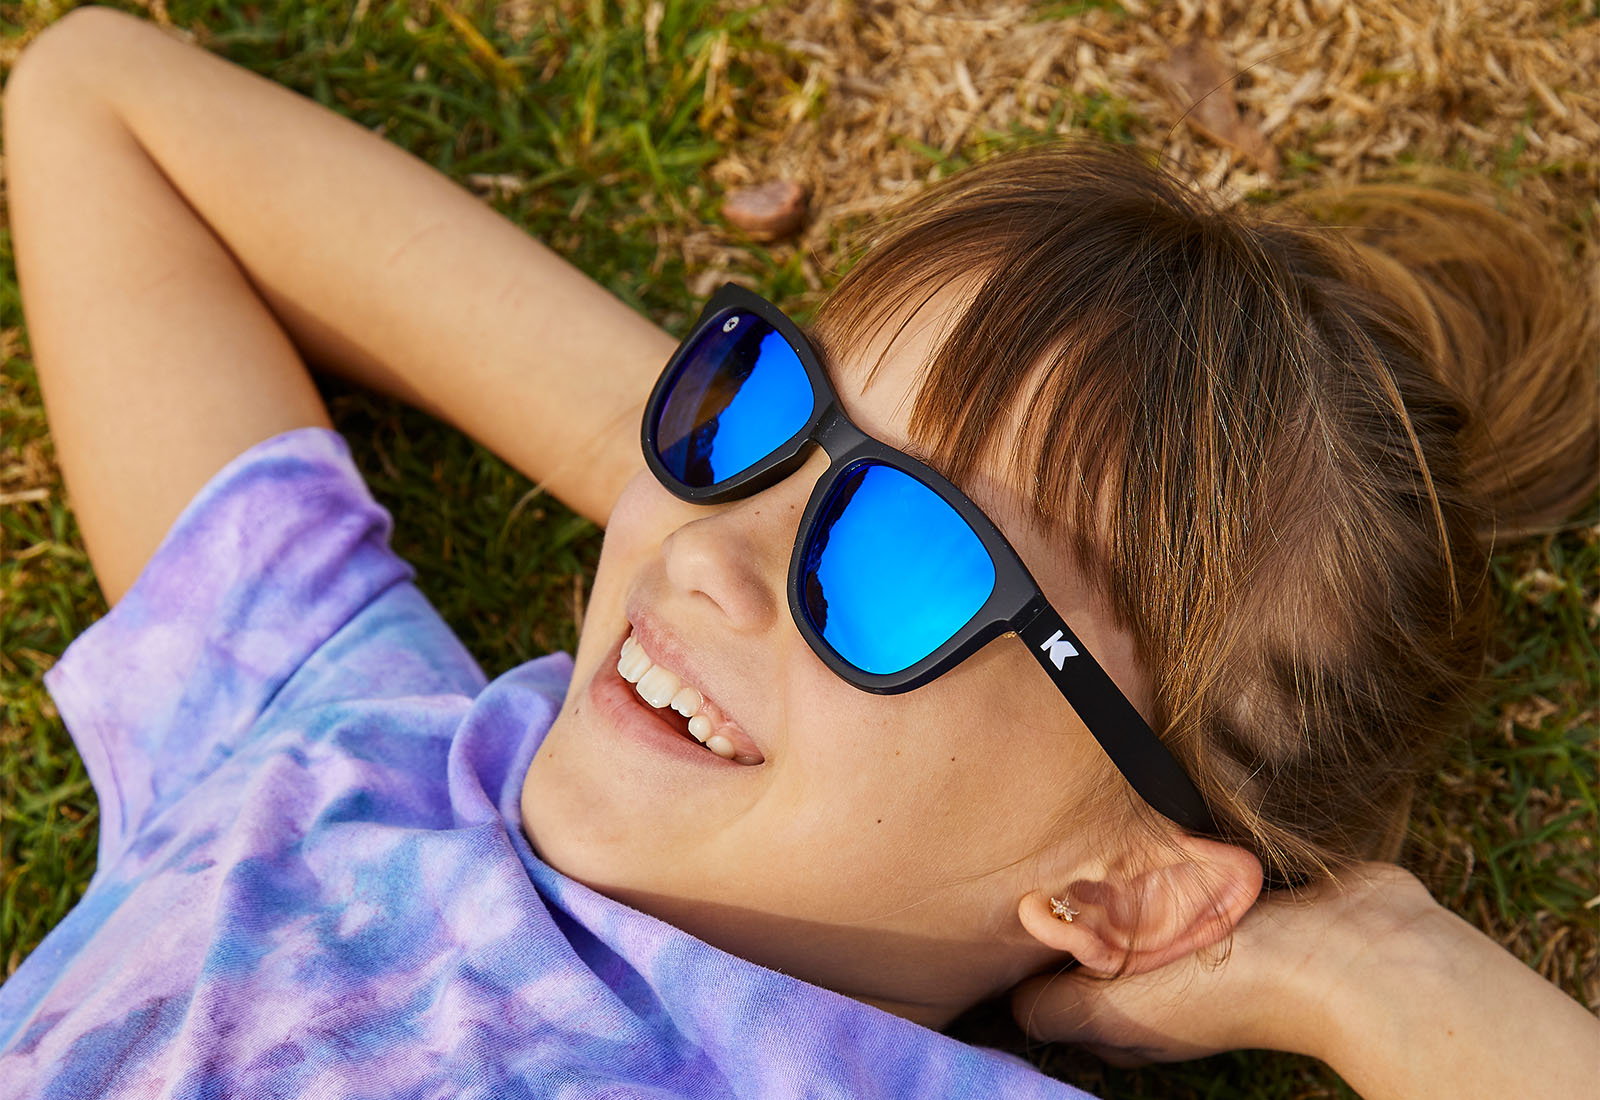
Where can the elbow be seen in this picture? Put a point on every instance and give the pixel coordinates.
(54, 66)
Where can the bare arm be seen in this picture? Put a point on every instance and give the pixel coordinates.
(187, 232)
(1441, 1010)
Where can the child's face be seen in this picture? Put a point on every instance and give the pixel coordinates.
(881, 847)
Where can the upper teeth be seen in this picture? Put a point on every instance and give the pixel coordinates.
(662, 687)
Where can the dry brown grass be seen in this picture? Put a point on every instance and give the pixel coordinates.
(1333, 91)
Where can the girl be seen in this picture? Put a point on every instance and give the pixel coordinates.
(846, 747)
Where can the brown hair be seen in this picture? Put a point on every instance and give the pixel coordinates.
(1306, 434)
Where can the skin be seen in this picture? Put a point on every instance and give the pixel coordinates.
(189, 236)
(934, 806)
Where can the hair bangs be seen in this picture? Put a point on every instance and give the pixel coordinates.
(1249, 433)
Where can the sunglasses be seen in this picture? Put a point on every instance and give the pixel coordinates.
(896, 577)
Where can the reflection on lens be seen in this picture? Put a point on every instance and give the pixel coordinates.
(891, 570)
(739, 394)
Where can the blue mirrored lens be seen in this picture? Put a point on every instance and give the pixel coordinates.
(891, 571)
(739, 394)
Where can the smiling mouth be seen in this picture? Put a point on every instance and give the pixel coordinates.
(679, 703)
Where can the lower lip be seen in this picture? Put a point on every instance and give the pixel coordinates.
(616, 700)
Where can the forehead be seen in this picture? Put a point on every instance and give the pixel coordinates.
(879, 377)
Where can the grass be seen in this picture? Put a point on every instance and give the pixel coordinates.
(596, 132)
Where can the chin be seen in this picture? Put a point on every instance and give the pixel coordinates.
(588, 830)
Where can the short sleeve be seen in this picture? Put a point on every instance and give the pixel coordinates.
(280, 553)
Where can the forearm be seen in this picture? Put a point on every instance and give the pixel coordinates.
(1440, 1010)
(383, 271)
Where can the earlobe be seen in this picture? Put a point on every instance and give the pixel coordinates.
(1092, 936)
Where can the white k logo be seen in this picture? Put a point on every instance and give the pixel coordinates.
(1060, 649)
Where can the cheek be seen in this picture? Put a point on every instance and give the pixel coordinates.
(962, 773)
(641, 513)
(1028, 756)
(639, 520)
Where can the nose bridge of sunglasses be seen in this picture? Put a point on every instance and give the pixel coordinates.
(789, 494)
(836, 434)
(833, 443)
(778, 499)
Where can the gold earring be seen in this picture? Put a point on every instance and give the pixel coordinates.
(1062, 909)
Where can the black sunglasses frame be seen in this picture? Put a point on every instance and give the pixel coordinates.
(1016, 605)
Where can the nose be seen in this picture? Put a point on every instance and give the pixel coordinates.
(737, 555)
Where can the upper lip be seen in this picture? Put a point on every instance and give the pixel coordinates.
(664, 647)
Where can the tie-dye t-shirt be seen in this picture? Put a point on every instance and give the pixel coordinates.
(312, 881)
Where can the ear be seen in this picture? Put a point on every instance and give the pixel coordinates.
(1193, 897)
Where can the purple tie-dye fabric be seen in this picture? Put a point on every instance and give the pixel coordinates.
(311, 879)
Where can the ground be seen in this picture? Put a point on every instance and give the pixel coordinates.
(614, 132)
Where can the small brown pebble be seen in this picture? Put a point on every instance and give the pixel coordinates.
(768, 211)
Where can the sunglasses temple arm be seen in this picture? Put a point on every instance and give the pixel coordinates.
(1122, 732)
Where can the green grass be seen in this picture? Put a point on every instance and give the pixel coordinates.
(609, 152)
(48, 815)
(1066, 9)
